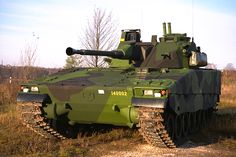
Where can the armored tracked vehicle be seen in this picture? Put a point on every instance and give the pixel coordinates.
(160, 87)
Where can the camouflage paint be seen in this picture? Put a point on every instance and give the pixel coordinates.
(112, 96)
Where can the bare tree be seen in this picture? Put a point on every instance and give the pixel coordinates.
(100, 34)
(28, 55)
(229, 67)
(28, 58)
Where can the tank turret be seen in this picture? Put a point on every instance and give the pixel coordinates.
(174, 50)
(130, 48)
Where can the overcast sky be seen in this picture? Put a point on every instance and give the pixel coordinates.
(56, 24)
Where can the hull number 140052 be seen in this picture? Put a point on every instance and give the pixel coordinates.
(119, 93)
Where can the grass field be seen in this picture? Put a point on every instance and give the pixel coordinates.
(16, 140)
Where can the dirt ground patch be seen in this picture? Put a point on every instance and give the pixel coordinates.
(133, 149)
(220, 146)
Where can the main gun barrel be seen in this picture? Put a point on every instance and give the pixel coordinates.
(114, 54)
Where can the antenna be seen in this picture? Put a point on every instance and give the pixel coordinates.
(141, 22)
(192, 18)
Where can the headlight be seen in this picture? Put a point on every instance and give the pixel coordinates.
(160, 93)
(148, 92)
(26, 90)
(34, 89)
(157, 95)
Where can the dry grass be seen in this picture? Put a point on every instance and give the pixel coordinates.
(112, 135)
(17, 140)
(8, 94)
(228, 143)
(224, 120)
(228, 89)
(225, 123)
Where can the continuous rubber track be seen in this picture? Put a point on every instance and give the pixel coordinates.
(31, 115)
(151, 121)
